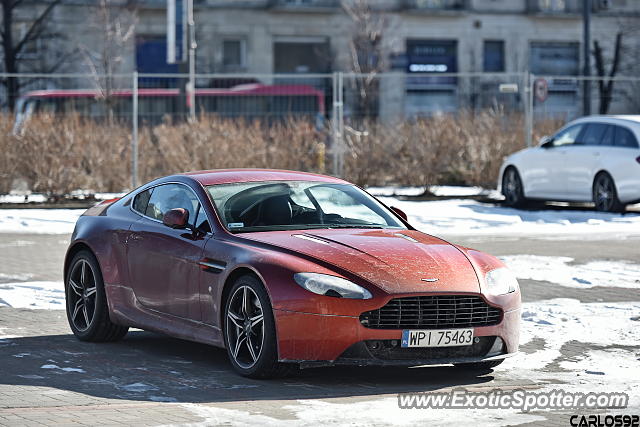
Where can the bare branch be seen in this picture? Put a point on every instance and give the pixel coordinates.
(37, 26)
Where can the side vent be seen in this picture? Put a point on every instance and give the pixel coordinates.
(212, 266)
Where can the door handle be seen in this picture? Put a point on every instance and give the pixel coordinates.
(596, 154)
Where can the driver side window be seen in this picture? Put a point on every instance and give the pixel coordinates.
(172, 196)
(568, 136)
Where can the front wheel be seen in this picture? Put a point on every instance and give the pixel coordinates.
(512, 189)
(249, 331)
(605, 196)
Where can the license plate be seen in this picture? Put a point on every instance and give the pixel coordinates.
(437, 338)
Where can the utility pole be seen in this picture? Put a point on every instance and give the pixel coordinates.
(191, 34)
(586, 43)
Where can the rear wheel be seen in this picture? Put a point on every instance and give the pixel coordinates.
(249, 331)
(605, 195)
(512, 188)
(87, 310)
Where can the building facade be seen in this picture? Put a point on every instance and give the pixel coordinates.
(311, 37)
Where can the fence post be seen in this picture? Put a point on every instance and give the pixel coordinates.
(529, 81)
(337, 123)
(134, 133)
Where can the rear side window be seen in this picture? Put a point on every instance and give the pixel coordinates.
(625, 138)
(594, 134)
(141, 201)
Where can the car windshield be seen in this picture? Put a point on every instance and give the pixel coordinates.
(297, 205)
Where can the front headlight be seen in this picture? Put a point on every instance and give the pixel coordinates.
(332, 286)
(501, 281)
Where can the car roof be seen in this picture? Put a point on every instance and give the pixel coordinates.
(229, 176)
(611, 119)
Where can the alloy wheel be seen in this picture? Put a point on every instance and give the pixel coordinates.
(512, 187)
(604, 193)
(245, 327)
(82, 295)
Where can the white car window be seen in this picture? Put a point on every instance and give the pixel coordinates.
(567, 136)
(595, 134)
(624, 138)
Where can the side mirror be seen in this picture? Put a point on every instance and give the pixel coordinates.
(399, 212)
(546, 142)
(176, 218)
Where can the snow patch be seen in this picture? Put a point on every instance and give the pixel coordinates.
(31, 377)
(34, 295)
(561, 321)
(39, 221)
(373, 412)
(558, 270)
(138, 387)
(469, 217)
(81, 371)
(162, 399)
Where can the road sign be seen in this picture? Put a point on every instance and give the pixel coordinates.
(176, 31)
(541, 89)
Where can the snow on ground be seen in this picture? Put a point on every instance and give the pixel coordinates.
(559, 270)
(360, 413)
(26, 197)
(39, 221)
(441, 217)
(436, 190)
(469, 217)
(35, 295)
(556, 322)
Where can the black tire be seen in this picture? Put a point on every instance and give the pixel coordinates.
(512, 189)
(86, 301)
(605, 195)
(257, 362)
(479, 366)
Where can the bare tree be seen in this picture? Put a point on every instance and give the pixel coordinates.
(14, 45)
(368, 56)
(605, 81)
(116, 26)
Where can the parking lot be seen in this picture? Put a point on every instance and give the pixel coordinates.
(50, 378)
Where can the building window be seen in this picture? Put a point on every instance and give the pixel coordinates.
(554, 58)
(233, 54)
(552, 5)
(493, 56)
(151, 57)
(432, 56)
(302, 55)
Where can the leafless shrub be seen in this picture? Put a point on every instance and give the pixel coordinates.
(56, 155)
(214, 143)
(7, 154)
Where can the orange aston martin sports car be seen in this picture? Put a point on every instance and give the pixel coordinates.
(285, 270)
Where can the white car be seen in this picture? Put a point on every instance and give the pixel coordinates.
(592, 159)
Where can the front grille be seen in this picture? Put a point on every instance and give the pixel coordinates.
(432, 312)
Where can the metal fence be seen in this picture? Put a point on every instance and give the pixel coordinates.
(344, 106)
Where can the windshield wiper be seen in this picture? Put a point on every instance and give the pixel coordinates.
(354, 226)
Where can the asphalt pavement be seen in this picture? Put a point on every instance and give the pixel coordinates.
(47, 377)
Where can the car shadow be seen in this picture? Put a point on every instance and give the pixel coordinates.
(147, 366)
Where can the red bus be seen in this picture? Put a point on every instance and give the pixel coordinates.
(251, 101)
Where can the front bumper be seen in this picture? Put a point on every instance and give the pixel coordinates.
(321, 339)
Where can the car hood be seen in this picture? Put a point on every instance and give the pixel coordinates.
(395, 261)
